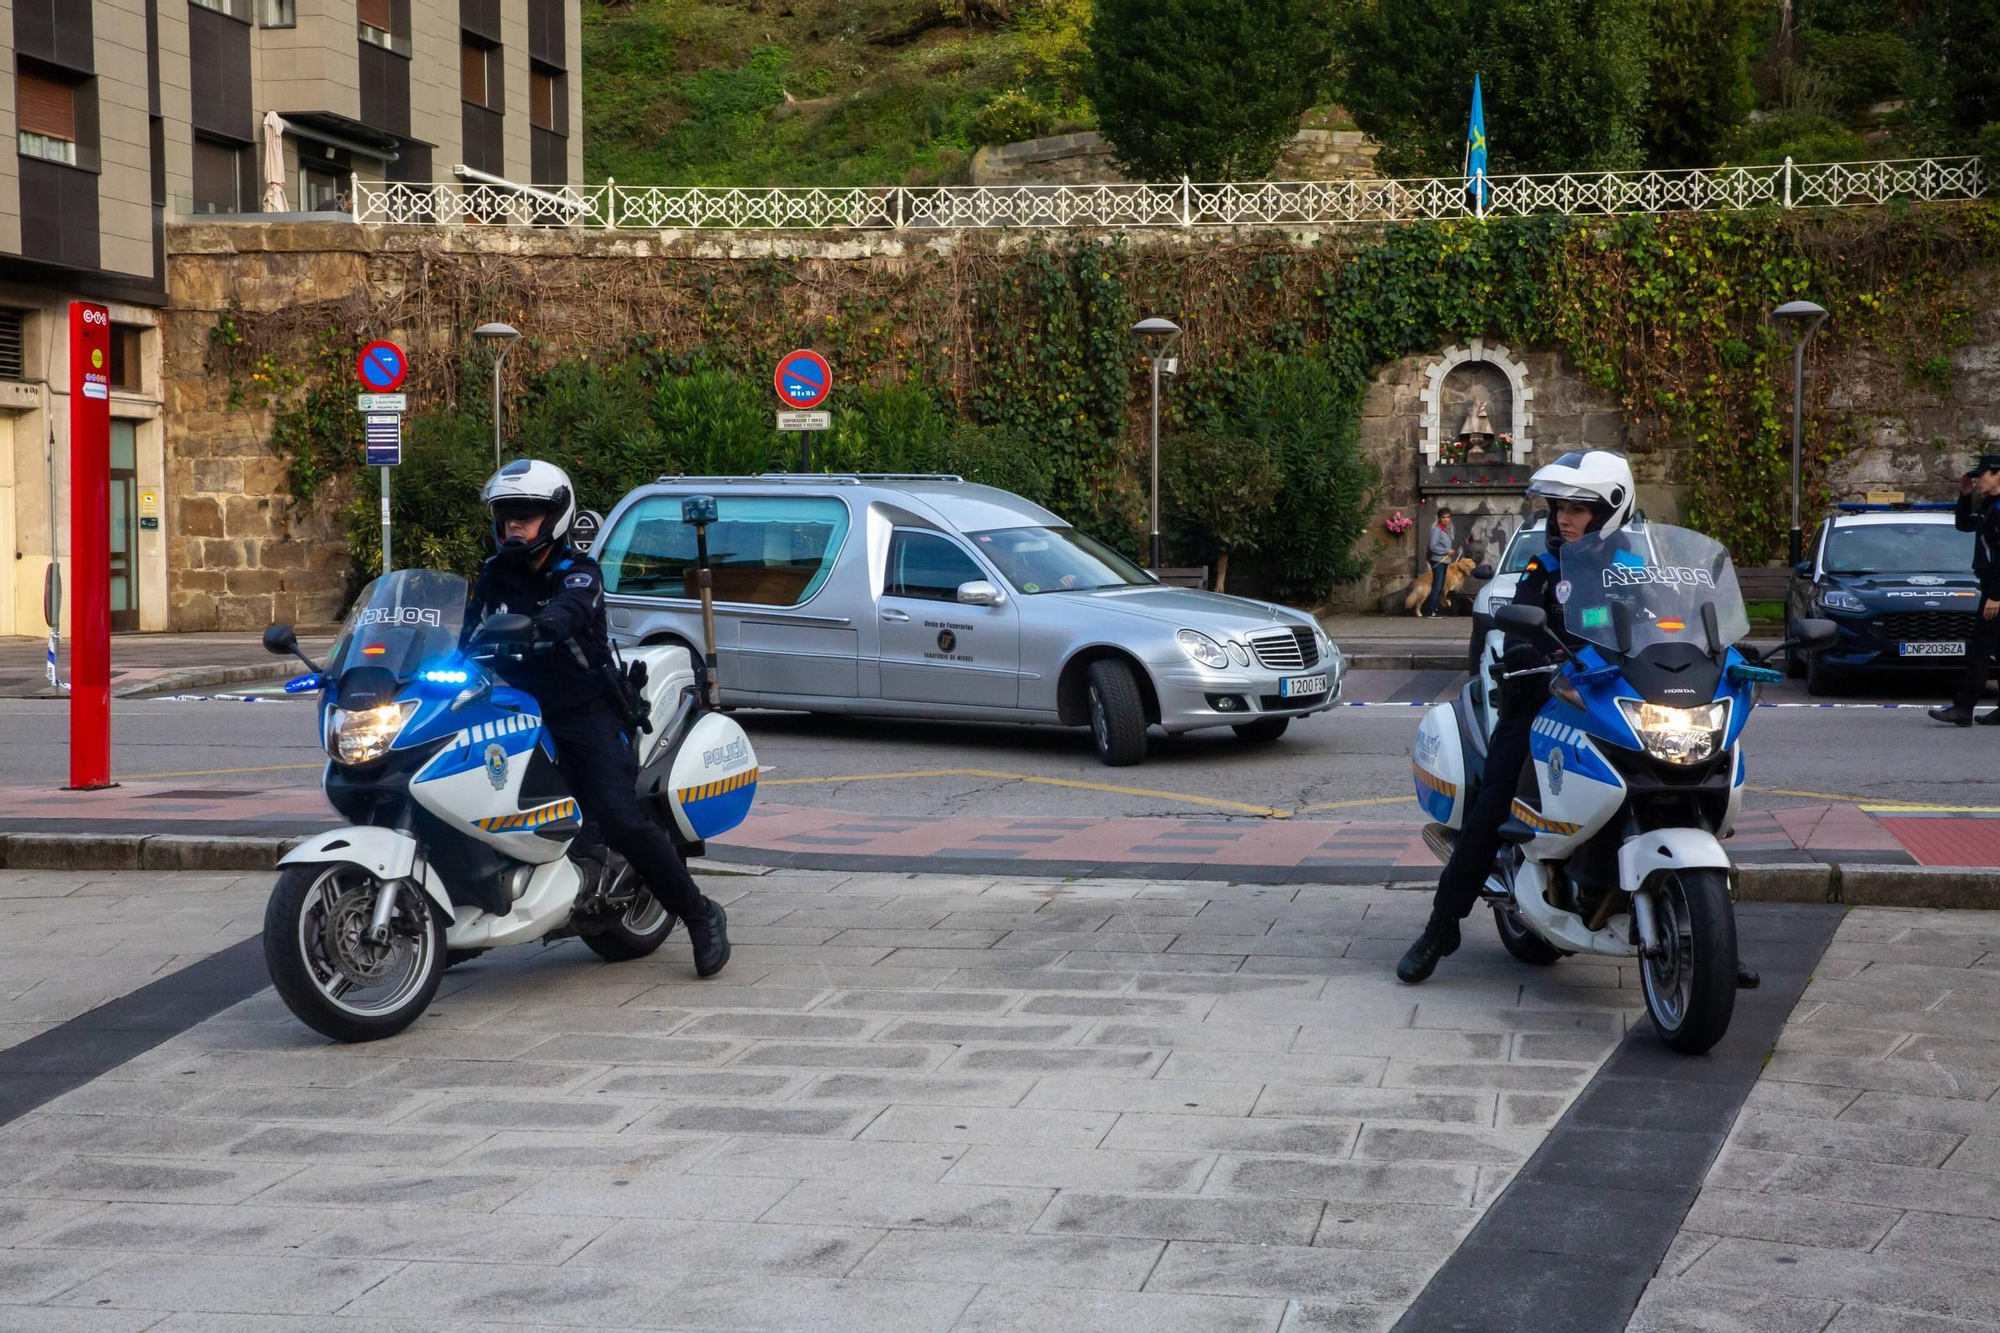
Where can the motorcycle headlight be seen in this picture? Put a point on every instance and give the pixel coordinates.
(1833, 599)
(1202, 649)
(1678, 735)
(363, 735)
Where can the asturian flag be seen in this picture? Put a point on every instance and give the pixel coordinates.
(1475, 147)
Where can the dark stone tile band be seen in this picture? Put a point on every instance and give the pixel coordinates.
(44, 1067)
(1571, 1243)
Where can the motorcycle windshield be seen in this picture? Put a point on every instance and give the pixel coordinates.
(402, 622)
(1649, 585)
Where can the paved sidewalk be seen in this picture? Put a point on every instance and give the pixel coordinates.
(934, 1103)
(1860, 1189)
(146, 662)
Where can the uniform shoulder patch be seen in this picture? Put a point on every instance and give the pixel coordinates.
(578, 580)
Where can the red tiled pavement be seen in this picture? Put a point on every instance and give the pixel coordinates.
(1947, 840)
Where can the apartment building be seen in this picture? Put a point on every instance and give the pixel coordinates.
(119, 118)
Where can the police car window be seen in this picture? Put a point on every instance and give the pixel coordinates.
(927, 566)
(1898, 548)
(762, 550)
(1522, 549)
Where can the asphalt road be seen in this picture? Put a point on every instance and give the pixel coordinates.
(1351, 763)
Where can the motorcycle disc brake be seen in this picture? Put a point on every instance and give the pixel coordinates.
(347, 944)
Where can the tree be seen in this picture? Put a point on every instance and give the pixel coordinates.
(1564, 81)
(1221, 487)
(1955, 94)
(1211, 89)
(1699, 86)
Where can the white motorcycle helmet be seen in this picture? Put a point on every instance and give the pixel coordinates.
(530, 486)
(1598, 477)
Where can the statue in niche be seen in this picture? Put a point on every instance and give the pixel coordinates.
(1477, 432)
(1479, 401)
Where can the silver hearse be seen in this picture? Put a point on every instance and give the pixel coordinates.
(928, 596)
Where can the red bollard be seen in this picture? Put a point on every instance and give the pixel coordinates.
(89, 546)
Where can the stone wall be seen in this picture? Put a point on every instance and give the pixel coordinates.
(243, 554)
(1085, 159)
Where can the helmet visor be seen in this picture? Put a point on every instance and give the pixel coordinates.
(1563, 490)
(508, 510)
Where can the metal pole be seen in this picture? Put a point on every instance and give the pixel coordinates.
(502, 356)
(388, 564)
(1156, 464)
(1798, 393)
(707, 614)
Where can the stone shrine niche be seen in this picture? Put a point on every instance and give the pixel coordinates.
(1467, 378)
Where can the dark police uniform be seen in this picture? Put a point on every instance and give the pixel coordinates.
(1506, 751)
(565, 599)
(1978, 514)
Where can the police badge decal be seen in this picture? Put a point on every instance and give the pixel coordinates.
(496, 765)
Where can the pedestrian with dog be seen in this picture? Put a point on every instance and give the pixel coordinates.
(1440, 560)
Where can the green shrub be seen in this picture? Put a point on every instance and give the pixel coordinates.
(1219, 491)
(1864, 67)
(1010, 118)
(996, 456)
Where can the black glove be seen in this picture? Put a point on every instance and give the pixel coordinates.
(1521, 657)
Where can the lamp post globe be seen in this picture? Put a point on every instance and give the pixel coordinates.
(1158, 337)
(500, 337)
(1799, 320)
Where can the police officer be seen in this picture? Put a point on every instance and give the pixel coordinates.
(1979, 511)
(535, 572)
(1588, 491)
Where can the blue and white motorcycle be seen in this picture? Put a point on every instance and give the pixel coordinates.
(462, 835)
(1636, 774)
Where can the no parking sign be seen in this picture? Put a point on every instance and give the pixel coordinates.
(804, 379)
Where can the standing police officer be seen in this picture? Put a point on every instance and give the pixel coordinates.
(1978, 512)
(536, 573)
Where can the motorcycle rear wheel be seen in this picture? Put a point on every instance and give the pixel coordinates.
(637, 931)
(324, 970)
(1691, 987)
(1523, 943)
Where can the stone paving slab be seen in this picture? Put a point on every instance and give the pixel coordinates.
(1859, 1189)
(1019, 1131)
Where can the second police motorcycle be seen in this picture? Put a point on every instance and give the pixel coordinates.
(1635, 774)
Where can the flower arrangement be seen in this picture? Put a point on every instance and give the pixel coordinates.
(1397, 524)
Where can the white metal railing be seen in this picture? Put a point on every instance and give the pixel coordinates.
(474, 202)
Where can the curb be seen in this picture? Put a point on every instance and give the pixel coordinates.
(1407, 661)
(1807, 882)
(194, 678)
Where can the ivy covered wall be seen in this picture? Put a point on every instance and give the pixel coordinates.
(1006, 356)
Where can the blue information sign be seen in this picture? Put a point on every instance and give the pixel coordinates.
(385, 439)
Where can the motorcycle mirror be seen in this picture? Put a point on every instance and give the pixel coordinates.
(978, 593)
(1815, 635)
(1521, 619)
(281, 641)
(1482, 572)
(507, 631)
(1803, 569)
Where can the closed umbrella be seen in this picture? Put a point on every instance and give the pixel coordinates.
(274, 164)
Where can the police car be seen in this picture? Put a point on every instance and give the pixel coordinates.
(1896, 579)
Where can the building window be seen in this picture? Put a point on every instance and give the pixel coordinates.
(281, 14)
(12, 344)
(319, 188)
(478, 73)
(544, 99)
(218, 176)
(125, 357)
(46, 111)
(236, 9)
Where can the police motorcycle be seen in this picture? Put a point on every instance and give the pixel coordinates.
(462, 836)
(1636, 770)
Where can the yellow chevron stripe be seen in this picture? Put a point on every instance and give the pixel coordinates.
(1436, 783)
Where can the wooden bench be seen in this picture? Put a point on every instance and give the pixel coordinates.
(1182, 578)
(1764, 583)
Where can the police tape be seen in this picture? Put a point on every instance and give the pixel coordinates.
(217, 699)
(1433, 703)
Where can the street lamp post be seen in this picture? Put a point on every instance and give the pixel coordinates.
(1800, 320)
(502, 336)
(1158, 337)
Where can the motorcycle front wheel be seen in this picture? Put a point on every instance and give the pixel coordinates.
(329, 973)
(1690, 986)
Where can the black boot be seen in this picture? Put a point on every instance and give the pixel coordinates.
(708, 932)
(1440, 939)
(1950, 713)
(1746, 977)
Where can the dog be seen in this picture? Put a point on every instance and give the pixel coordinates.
(1455, 575)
